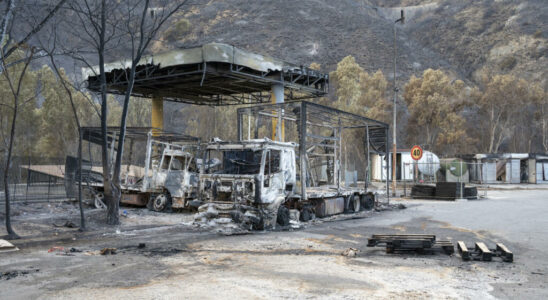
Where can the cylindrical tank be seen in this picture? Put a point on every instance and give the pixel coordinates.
(456, 166)
(429, 163)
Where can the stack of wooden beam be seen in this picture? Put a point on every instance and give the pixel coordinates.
(410, 242)
(483, 253)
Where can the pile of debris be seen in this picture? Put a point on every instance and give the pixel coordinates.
(230, 218)
(228, 215)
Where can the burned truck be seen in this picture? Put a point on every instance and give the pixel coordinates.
(253, 178)
(261, 180)
(162, 177)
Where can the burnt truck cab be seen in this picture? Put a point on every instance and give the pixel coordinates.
(171, 179)
(258, 174)
(160, 172)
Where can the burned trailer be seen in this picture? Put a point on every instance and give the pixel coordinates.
(163, 176)
(332, 175)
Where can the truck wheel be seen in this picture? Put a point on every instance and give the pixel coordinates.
(161, 202)
(368, 201)
(283, 216)
(355, 203)
(349, 204)
(99, 200)
(305, 215)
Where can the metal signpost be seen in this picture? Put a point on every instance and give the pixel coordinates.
(416, 155)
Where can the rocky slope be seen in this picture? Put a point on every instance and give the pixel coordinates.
(461, 37)
(307, 31)
(501, 36)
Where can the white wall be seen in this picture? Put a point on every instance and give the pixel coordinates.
(378, 166)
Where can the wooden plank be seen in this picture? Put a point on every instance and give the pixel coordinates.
(6, 246)
(446, 246)
(404, 236)
(504, 253)
(399, 235)
(371, 242)
(449, 249)
(486, 254)
(463, 250)
(411, 244)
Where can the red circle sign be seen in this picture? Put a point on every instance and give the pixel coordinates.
(416, 152)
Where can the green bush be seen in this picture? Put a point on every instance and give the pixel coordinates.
(177, 29)
(508, 63)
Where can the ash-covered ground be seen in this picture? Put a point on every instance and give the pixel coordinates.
(169, 256)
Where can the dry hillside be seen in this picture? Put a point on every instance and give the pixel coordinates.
(459, 36)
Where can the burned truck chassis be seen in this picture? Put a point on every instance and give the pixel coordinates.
(164, 183)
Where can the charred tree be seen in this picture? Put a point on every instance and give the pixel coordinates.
(15, 89)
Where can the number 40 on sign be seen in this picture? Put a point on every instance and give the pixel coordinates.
(416, 152)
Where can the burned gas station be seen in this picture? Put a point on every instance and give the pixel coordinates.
(219, 74)
(303, 192)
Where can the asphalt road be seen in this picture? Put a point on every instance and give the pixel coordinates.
(179, 262)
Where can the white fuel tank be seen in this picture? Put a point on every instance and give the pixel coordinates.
(429, 163)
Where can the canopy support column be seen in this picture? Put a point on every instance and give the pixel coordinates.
(278, 130)
(157, 117)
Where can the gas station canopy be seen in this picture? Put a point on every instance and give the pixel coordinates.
(212, 74)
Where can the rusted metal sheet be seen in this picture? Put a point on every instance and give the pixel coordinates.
(135, 199)
(178, 202)
(198, 70)
(330, 206)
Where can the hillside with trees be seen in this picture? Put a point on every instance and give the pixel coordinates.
(453, 57)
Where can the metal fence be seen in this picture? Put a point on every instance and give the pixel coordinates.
(452, 171)
(35, 179)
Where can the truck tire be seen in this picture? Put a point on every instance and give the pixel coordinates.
(305, 215)
(367, 201)
(283, 216)
(99, 200)
(355, 203)
(161, 202)
(349, 204)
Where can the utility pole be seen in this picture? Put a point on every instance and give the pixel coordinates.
(402, 20)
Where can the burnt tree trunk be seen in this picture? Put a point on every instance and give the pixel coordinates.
(9, 228)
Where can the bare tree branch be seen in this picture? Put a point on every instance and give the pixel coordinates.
(34, 30)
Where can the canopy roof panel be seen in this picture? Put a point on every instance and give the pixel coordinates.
(212, 74)
(317, 115)
(94, 136)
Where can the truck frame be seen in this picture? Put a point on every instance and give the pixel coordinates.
(168, 177)
(274, 176)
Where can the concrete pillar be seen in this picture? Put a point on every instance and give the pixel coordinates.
(157, 116)
(277, 96)
(532, 170)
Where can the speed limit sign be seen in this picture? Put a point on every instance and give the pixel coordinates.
(416, 152)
